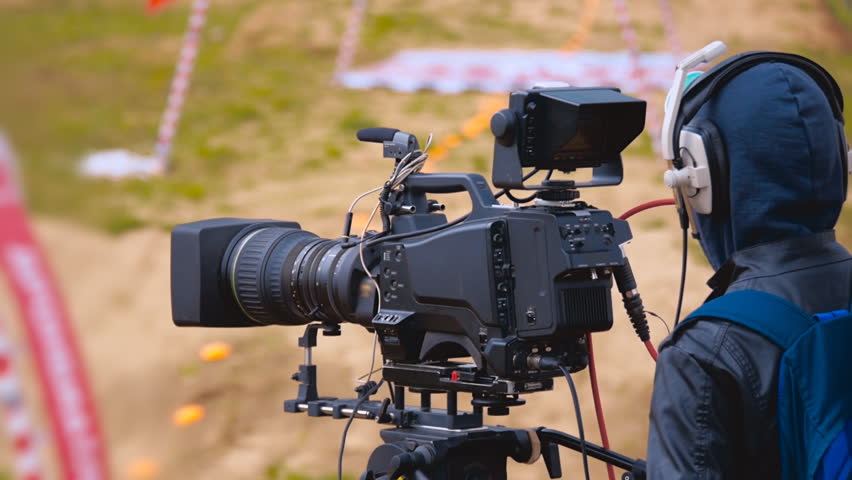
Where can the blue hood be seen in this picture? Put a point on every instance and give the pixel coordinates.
(786, 170)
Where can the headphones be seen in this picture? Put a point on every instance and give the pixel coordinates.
(693, 148)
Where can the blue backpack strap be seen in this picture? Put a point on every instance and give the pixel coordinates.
(837, 461)
(759, 311)
(815, 403)
(814, 396)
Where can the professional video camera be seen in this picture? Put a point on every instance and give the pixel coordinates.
(495, 303)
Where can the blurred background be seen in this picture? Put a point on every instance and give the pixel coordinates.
(266, 133)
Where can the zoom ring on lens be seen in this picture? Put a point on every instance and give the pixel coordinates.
(258, 263)
(246, 272)
(276, 276)
(289, 276)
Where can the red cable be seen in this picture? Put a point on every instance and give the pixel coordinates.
(630, 213)
(596, 395)
(651, 349)
(593, 374)
(646, 206)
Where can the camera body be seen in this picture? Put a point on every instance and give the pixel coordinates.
(507, 284)
(513, 288)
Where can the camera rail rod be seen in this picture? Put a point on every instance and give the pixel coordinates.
(345, 411)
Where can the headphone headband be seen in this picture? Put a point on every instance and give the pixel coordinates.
(699, 182)
(708, 84)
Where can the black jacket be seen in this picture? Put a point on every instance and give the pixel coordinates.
(715, 388)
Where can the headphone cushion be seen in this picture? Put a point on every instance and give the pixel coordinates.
(717, 160)
(846, 155)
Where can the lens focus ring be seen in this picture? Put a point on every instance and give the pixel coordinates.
(246, 269)
(250, 269)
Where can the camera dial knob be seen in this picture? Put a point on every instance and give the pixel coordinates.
(503, 127)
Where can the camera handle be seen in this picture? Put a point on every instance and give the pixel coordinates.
(419, 184)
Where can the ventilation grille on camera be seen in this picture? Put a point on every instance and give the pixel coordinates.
(587, 309)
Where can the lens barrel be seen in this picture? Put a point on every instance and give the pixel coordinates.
(289, 276)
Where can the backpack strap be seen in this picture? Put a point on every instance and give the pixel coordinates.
(770, 315)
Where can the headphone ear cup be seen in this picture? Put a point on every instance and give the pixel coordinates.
(845, 155)
(703, 146)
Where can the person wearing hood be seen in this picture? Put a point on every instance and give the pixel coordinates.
(713, 411)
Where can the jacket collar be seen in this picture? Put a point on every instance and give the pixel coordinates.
(774, 258)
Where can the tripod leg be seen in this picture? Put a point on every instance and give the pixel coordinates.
(550, 452)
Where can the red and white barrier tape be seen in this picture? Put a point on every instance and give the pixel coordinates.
(155, 5)
(628, 33)
(349, 42)
(180, 82)
(70, 405)
(19, 426)
(670, 26)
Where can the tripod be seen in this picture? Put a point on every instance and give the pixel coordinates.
(442, 444)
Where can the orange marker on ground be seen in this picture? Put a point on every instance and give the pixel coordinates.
(143, 469)
(187, 415)
(215, 351)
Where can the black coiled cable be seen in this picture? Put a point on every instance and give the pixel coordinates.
(632, 300)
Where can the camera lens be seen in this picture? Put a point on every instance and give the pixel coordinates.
(288, 276)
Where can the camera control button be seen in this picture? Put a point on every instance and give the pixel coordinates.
(503, 127)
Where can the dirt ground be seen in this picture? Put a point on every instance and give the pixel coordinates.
(143, 367)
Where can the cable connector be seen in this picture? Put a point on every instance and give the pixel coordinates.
(543, 362)
(626, 284)
(636, 312)
(366, 389)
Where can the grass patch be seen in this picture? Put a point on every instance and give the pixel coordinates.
(695, 252)
(187, 190)
(327, 211)
(333, 152)
(356, 119)
(654, 224)
(189, 370)
(119, 220)
(280, 472)
(842, 9)
(481, 164)
(641, 146)
(96, 77)
(844, 226)
(97, 73)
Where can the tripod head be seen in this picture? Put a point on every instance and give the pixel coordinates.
(425, 443)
